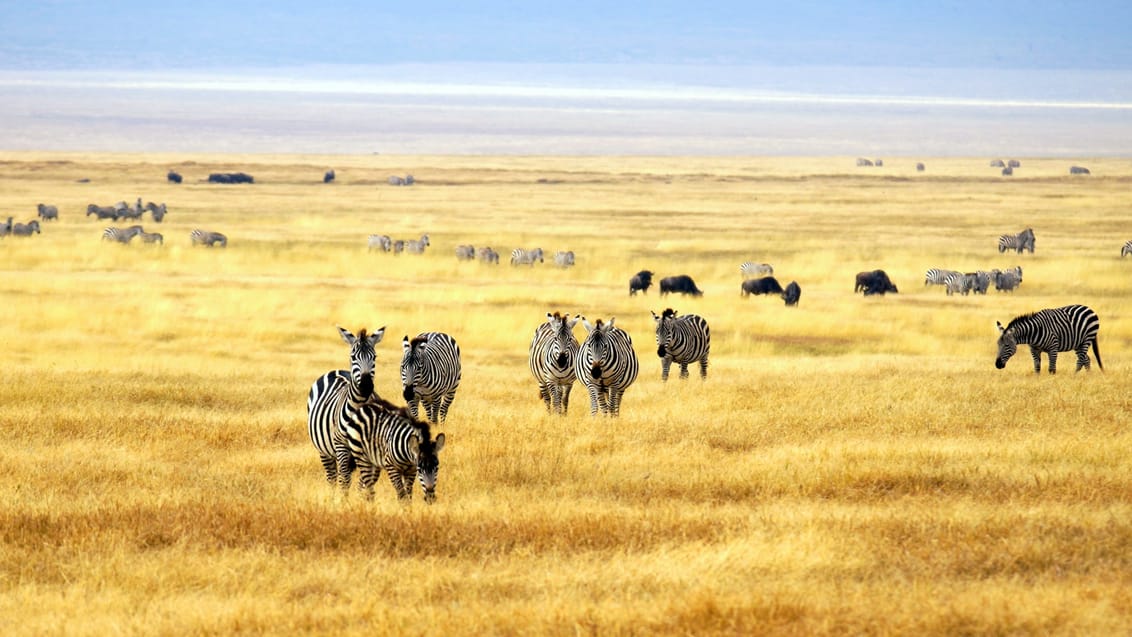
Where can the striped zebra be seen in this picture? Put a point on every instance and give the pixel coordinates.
(26, 229)
(564, 259)
(519, 256)
(158, 210)
(46, 212)
(417, 246)
(465, 252)
(152, 237)
(959, 282)
(379, 242)
(1018, 242)
(430, 373)
(937, 276)
(6, 227)
(752, 270)
(552, 354)
(207, 238)
(487, 255)
(377, 435)
(121, 235)
(606, 364)
(1072, 328)
(329, 396)
(684, 339)
(1126, 250)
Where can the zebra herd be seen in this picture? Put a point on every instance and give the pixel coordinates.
(385, 243)
(955, 282)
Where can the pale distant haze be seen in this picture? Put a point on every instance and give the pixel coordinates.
(750, 78)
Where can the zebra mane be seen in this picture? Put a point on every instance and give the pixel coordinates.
(1022, 318)
(668, 313)
(362, 333)
(418, 341)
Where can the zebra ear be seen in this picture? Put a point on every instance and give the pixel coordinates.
(346, 336)
(654, 316)
(571, 324)
(405, 343)
(439, 444)
(1001, 329)
(586, 324)
(609, 325)
(549, 316)
(375, 338)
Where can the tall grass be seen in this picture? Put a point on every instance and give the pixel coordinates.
(853, 465)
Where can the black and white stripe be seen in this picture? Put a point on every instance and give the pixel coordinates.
(751, 270)
(430, 373)
(377, 435)
(1019, 242)
(1126, 250)
(329, 396)
(379, 242)
(564, 259)
(417, 246)
(121, 235)
(937, 276)
(208, 238)
(519, 256)
(606, 365)
(1072, 328)
(552, 354)
(683, 340)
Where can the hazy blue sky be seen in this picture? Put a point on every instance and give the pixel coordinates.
(149, 34)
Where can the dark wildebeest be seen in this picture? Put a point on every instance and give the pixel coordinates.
(1013, 163)
(792, 293)
(1007, 172)
(231, 178)
(997, 163)
(47, 212)
(874, 282)
(861, 161)
(919, 166)
(173, 177)
(6, 228)
(681, 283)
(763, 285)
(640, 281)
(1078, 170)
(409, 181)
(328, 177)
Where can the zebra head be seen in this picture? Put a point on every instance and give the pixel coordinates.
(413, 352)
(563, 345)
(599, 344)
(1007, 345)
(428, 463)
(362, 357)
(663, 330)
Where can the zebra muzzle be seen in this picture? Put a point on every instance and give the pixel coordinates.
(595, 371)
(408, 393)
(660, 351)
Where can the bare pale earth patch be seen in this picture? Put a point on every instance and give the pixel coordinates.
(851, 466)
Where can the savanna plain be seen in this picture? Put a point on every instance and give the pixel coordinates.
(852, 465)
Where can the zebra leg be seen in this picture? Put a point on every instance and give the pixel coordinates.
(603, 399)
(665, 363)
(593, 389)
(615, 401)
(445, 402)
(367, 477)
(545, 394)
(1083, 358)
(565, 390)
(346, 466)
(1037, 354)
(703, 368)
(683, 370)
(398, 481)
(432, 408)
(553, 399)
(413, 406)
(1053, 362)
(330, 466)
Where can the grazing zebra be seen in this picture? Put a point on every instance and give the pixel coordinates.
(606, 364)
(1078, 170)
(329, 396)
(395, 180)
(685, 340)
(47, 213)
(380, 242)
(417, 246)
(6, 228)
(1126, 250)
(378, 435)
(430, 373)
(519, 256)
(206, 238)
(959, 282)
(752, 270)
(25, 229)
(157, 209)
(102, 212)
(552, 354)
(398, 246)
(1007, 281)
(121, 235)
(1072, 328)
(152, 237)
(937, 276)
(487, 255)
(1019, 242)
(465, 252)
(564, 259)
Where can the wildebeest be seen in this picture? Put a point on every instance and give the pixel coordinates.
(762, 285)
(395, 180)
(640, 281)
(919, 166)
(409, 181)
(231, 178)
(6, 228)
(792, 293)
(861, 161)
(1008, 171)
(47, 212)
(997, 163)
(681, 283)
(173, 177)
(1013, 163)
(157, 209)
(874, 282)
(25, 229)
(1006, 281)
(1078, 170)
(328, 177)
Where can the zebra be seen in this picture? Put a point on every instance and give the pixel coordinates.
(415, 246)
(564, 259)
(1126, 250)
(685, 340)
(207, 238)
(552, 354)
(398, 246)
(430, 373)
(25, 229)
(937, 276)
(46, 212)
(487, 255)
(158, 210)
(152, 237)
(465, 252)
(519, 256)
(102, 212)
(377, 435)
(1072, 328)
(395, 180)
(328, 397)
(380, 242)
(959, 282)
(752, 270)
(1078, 170)
(1007, 281)
(1019, 242)
(607, 365)
(121, 235)
(6, 228)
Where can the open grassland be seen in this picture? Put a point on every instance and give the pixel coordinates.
(851, 466)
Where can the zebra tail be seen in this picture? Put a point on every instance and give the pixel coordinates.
(1097, 355)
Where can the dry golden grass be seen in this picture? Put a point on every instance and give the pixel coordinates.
(851, 466)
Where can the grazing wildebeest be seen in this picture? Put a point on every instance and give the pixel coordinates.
(1007, 172)
(231, 178)
(25, 229)
(640, 281)
(874, 282)
(997, 163)
(173, 177)
(919, 166)
(763, 285)
(1013, 163)
(47, 212)
(792, 293)
(409, 181)
(1078, 170)
(681, 283)
(328, 177)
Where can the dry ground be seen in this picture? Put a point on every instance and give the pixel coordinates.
(851, 466)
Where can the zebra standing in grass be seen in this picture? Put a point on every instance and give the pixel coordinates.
(121, 235)
(937, 276)
(157, 210)
(552, 354)
(959, 282)
(380, 242)
(378, 435)
(207, 238)
(606, 364)
(430, 373)
(519, 256)
(564, 259)
(1072, 328)
(328, 397)
(417, 246)
(465, 252)
(26, 229)
(152, 237)
(1126, 250)
(1019, 242)
(47, 213)
(487, 255)
(752, 270)
(6, 228)
(685, 340)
